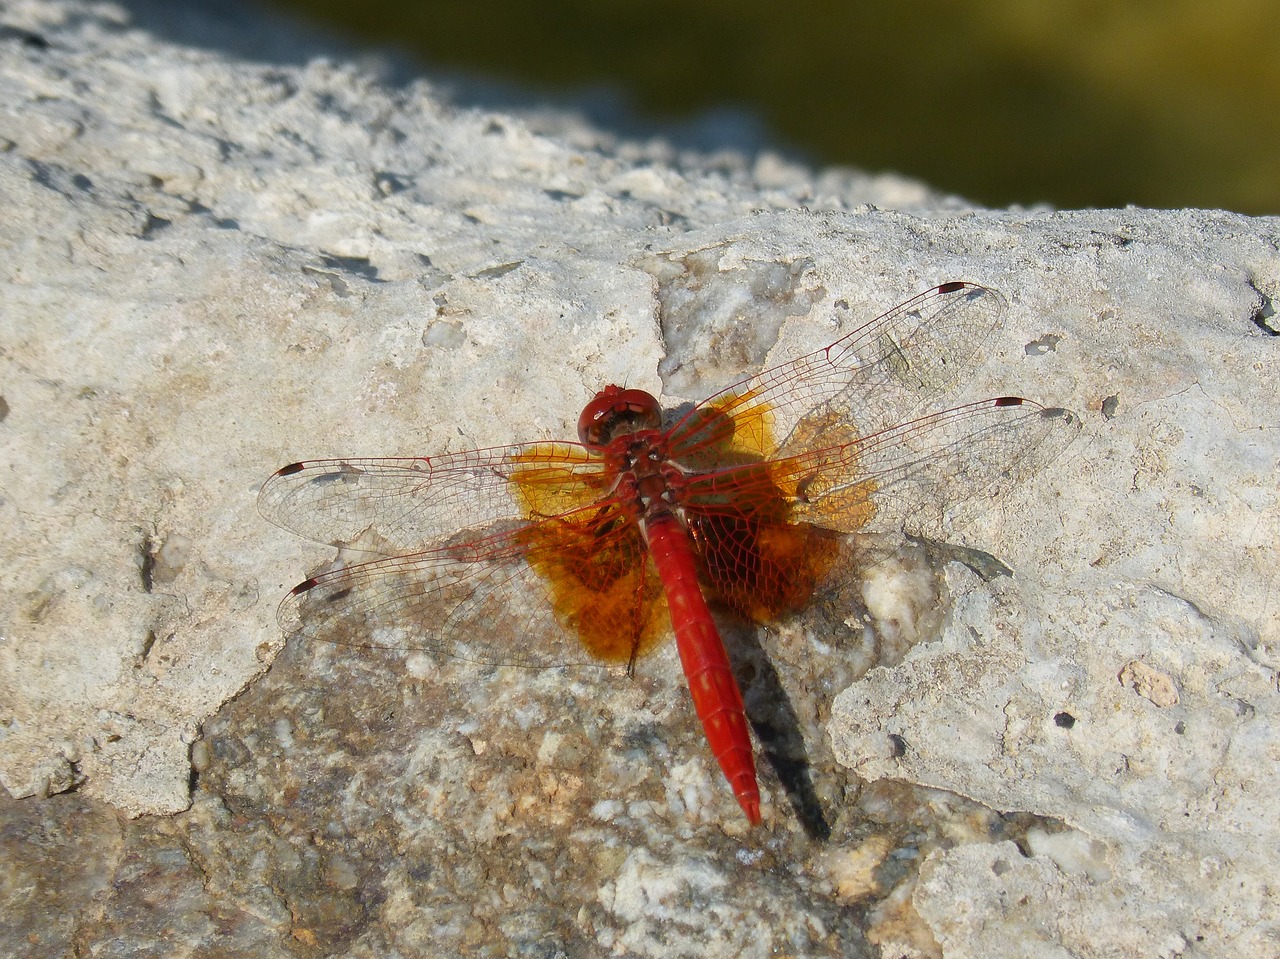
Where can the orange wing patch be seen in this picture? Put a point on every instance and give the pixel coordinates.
(602, 587)
(813, 472)
(732, 429)
(552, 479)
(589, 554)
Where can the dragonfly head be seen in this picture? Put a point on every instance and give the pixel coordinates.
(615, 411)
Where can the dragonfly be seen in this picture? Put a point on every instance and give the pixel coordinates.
(555, 553)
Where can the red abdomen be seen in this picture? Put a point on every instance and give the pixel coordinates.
(716, 696)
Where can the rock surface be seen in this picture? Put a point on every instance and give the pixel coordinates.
(215, 265)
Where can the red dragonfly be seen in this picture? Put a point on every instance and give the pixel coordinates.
(553, 553)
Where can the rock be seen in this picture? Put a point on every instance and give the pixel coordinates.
(215, 265)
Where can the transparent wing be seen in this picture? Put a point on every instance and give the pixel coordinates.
(412, 502)
(568, 590)
(908, 477)
(884, 371)
(917, 474)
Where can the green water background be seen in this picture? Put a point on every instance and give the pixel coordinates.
(1076, 103)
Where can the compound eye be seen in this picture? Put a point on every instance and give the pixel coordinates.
(615, 411)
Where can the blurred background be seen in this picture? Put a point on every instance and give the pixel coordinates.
(1074, 103)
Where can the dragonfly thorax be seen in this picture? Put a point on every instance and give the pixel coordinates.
(643, 471)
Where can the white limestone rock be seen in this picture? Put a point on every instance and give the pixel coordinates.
(213, 267)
